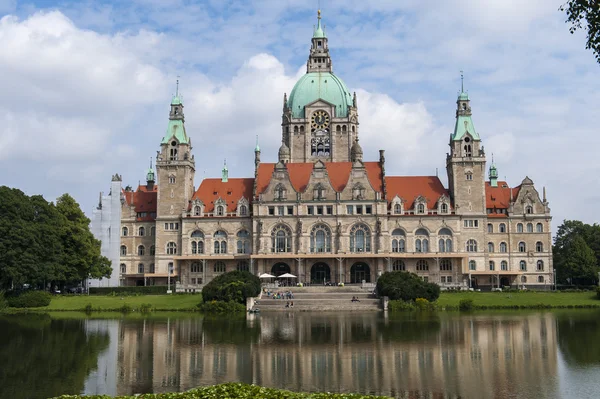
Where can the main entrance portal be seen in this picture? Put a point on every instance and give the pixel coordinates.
(280, 268)
(360, 271)
(320, 273)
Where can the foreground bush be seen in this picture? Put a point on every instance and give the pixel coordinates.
(466, 305)
(406, 286)
(234, 286)
(3, 303)
(235, 390)
(222, 307)
(30, 299)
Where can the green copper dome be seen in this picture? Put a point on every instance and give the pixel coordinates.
(320, 85)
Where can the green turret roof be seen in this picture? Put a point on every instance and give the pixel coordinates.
(150, 175)
(176, 100)
(176, 129)
(320, 85)
(464, 125)
(319, 32)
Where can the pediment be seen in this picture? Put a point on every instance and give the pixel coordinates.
(320, 103)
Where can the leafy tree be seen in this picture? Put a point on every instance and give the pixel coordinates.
(585, 14)
(576, 253)
(234, 286)
(406, 286)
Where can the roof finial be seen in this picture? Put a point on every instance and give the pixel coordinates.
(492, 157)
(177, 88)
(225, 172)
(257, 148)
(319, 13)
(462, 82)
(150, 162)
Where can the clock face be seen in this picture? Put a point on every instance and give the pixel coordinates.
(320, 120)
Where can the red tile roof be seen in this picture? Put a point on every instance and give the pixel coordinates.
(338, 172)
(410, 187)
(231, 191)
(143, 200)
(499, 197)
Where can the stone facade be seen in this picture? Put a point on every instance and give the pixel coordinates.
(325, 215)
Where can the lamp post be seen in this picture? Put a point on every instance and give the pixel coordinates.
(554, 275)
(169, 278)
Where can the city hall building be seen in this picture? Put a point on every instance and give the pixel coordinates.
(325, 211)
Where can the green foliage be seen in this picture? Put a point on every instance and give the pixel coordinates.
(585, 14)
(237, 390)
(43, 244)
(466, 305)
(598, 292)
(88, 308)
(146, 308)
(401, 306)
(222, 307)
(30, 299)
(576, 253)
(406, 286)
(125, 309)
(234, 286)
(124, 291)
(424, 304)
(3, 303)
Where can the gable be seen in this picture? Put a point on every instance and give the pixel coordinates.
(412, 187)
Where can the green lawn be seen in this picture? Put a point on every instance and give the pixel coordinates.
(558, 299)
(161, 302)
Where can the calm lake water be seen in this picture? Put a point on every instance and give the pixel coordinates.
(481, 355)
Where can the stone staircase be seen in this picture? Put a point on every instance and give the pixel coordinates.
(319, 298)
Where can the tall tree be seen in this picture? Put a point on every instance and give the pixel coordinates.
(585, 15)
(575, 261)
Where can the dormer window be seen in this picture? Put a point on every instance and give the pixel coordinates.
(243, 210)
(421, 208)
(220, 210)
(196, 211)
(444, 208)
(529, 209)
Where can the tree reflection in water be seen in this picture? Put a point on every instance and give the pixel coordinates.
(43, 358)
(576, 330)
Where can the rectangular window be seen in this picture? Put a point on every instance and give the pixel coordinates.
(193, 280)
(359, 209)
(171, 226)
(290, 210)
(449, 279)
(349, 209)
(176, 226)
(280, 210)
(368, 209)
(311, 210)
(443, 279)
(271, 210)
(319, 210)
(330, 209)
(166, 226)
(471, 224)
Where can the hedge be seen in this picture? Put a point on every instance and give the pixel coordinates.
(235, 390)
(30, 299)
(222, 307)
(147, 290)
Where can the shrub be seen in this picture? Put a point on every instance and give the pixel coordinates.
(88, 308)
(598, 292)
(424, 304)
(234, 286)
(146, 308)
(466, 305)
(30, 299)
(401, 306)
(222, 307)
(406, 286)
(3, 303)
(125, 309)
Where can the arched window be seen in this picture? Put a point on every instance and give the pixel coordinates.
(219, 267)
(519, 227)
(196, 267)
(243, 266)
(243, 242)
(398, 265)
(152, 268)
(243, 210)
(123, 268)
(397, 209)
(472, 265)
(422, 265)
(504, 265)
(523, 279)
(141, 268)
(492, 265)
(530, 227)
(172, 178)
(421, 240)
(152, 231)
(123, 250)
(446, 265)
(197, 210)
(171, 248)
(503, 247)
(398, 241)
(320, 238)
(502, 228)
(539, 247)
(540, 265)
(360, 238)
(541, 279)
(281, 239)
(220, 210)
(444, 208)
(490, 228)
(197, 242)
(280, 192)
(152, 250)
(490, 247)
(421, 209)
(141, 231)
(220, 242)
(523, 266)
(125, 231)
(539, 228)
(529, 209)
(445, 240)
(141, 250)
(522, 247)
(471, 246)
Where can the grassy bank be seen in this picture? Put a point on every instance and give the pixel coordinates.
(185, 302)
(524, 299)
(235, 390)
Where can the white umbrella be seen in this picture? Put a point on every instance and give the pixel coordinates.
(287, 275)
(266, 275)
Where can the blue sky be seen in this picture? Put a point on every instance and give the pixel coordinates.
(87, 87)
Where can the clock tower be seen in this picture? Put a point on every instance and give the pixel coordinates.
(320, 118)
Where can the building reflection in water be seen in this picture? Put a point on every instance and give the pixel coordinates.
(474, 356)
